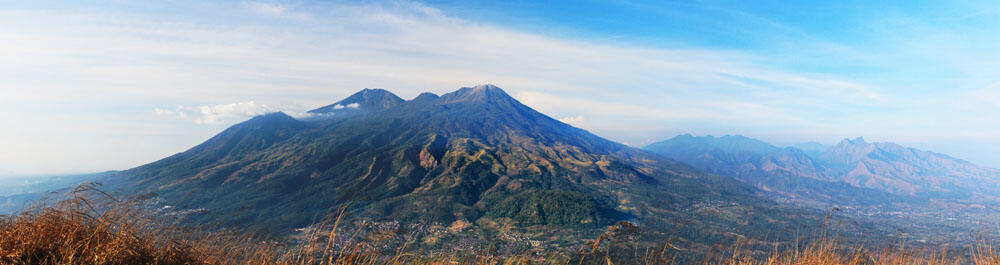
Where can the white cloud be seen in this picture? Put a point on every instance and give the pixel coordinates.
(268, 8)
(576, 121)
(279, 10)
(349, 106)
(218, 114)
(162, 112)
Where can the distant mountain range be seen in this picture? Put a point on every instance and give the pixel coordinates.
(851, 172)
(17, 193)
(474, 156)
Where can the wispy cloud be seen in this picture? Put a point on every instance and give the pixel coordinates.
(551, 103)
(280, 10)
(348, 106)
(163, 112)
(229, 113)
(219, 113)
(576, 121)
(319, 52)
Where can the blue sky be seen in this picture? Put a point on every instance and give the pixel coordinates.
(99, 85)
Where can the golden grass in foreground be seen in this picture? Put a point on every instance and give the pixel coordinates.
(74, 231)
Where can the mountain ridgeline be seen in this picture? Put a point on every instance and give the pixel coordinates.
(475, 156)
(852, 172)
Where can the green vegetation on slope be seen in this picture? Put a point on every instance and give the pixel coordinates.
(475, 155)
(552, 207)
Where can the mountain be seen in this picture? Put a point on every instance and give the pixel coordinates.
(902, 170)
(789, 173)
(883, 166)
(906, 188)
(474, 156)
(737, 155)
(367, 100)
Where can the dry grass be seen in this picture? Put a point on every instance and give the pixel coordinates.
(100, 230)
(92, 227)
(75, 232)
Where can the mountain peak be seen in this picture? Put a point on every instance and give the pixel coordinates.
(739, 137)
(857, 140)
(273, 116)
(270, 121)
(425, 96)
(486, 87)
(848, 151)
(480, 93)
(702, 144)
(684, 136)
(368, 99)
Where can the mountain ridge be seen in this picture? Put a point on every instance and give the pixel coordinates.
(475, 155)
(884, 166)
(368, 99)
